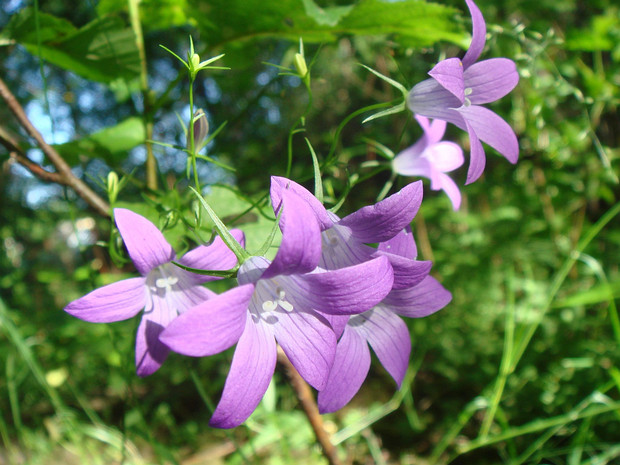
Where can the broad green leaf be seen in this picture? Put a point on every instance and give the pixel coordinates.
(102, 50)
(414, 22)
(111, 143)
(155, 14)
(329, 16)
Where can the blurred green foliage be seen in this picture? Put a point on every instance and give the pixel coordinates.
(522, 366)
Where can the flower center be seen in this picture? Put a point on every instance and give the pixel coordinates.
(271, 305)
(166, 282)
(468, 91)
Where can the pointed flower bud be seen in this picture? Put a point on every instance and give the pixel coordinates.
(113, 186)
(195, 61)
(201, 130)
(300, 65)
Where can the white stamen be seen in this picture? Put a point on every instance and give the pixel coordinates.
(467, 102)
(287, 306)
(269, 305)
(281, 293)
(468, 91)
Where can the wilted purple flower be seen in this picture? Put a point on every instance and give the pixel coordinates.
(164, 290)
(284, 302)
(432, 158)
(456, 90)
(382, 328)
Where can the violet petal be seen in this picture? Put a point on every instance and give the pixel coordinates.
(115, 302)
(490, 80)
(145, 244)
(449, 73)
(478, 39)
(422, 300)
(278, 184)
(251, 371)
(349, 371)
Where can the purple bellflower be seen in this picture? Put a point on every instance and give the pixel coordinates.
(164, 290)
(283, 301)
(432, 158)
(383, 329)
(457, 89)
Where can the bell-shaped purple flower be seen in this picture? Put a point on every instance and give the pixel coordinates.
(283, 301)
(432, 158)
(382, 329)
(458, 88)
(164, 290)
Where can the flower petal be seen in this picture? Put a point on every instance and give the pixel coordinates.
(424, 299)
(449, 73)
(445, 156)
(211, 327)
(389, 337)
(451, 189)
(278, 184)
(346, 291)
(407, 272)
(479, 33)
(349, 371)
(145, 244)
(493, 130)
(300, 249)
(115, 302)
(251, 370)
(477, 158)
(385, 219)
(309, 342)
(490, 80)
(429, 98)
(402, 244)
(215, 256)
(435, 131)
(409, 162)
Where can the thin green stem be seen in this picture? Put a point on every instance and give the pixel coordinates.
(151, 164)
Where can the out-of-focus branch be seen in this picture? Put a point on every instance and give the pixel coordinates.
(63, 174)
(306, 399)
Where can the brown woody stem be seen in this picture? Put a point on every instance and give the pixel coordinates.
(306, 399)
(63, 174)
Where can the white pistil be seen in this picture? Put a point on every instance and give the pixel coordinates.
(271, 305)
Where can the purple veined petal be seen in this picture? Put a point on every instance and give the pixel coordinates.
(449, 73)
(115, 302)
(402, 244)
(478, 36)
(424, 123)
(451, 190)
(493, 130)
(345, 291)
(389, 337)
(409, 162)
(150, 352)
(212, 326)
(145, 244)
(216, 256)
(309, 342)
(300, 249)
(407, 272)
(385, 219)
(436, 130)
(278, 184)
(477, 158)
(337, 322)
(251, 370)
(429, 98)
(445, 156)
(490, 80)
(422, 300)
(349, 371)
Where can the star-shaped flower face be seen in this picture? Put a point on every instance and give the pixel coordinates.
(164, 290)
(432, 158)
(458, 88)
(283, 301)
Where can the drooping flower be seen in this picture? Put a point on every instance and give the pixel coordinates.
(283, 301)
(458, 88)
(382, 329)
(164, 290)
(432, 158)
